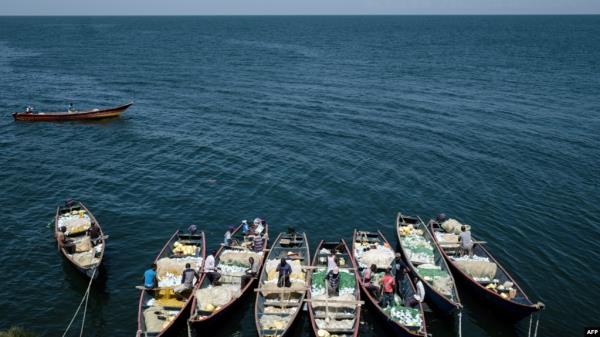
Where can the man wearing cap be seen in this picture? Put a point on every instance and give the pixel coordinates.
(439, 219)
(399, 270)
(333, 282)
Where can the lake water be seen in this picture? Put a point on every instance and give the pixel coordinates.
(323, 123)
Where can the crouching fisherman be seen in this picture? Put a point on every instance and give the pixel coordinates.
(251, 273)
(150, 281)
(187, 280)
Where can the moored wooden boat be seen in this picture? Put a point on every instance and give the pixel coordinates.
(85, 255)
(277, 309)
(425, 261)
(498, 288)
(161, 312)
(71, 115)
(335, 315)
(212, 302)
(402, 320)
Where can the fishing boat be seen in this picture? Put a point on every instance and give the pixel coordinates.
(73, 221)
(214, 301)
(425, 261)
(277, 308)
(93, 114)
(482, 273)
(333, 314)
(161, 311)
(372, 248)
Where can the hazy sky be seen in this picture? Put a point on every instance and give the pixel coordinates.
(209, 7)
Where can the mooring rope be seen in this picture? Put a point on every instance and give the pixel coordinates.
(530, 321)
(460, 323)
(84, 299)
(537, 323)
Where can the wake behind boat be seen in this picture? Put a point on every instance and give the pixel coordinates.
(70, 115)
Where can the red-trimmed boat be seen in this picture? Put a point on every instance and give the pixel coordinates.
(339, 315)
(73, 220)
(424, 258)
(232, 261)
(402, 320)
(501, 291)
(93, 114)
(161, 312)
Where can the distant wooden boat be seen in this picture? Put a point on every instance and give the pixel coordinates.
(277, 309)
(71, 115)
(77, 219)
(516, 305)
(362, 240)
(161, 312)
(444, 301)
(230, 281)
(337, 317)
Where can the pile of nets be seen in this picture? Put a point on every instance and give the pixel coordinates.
(347, 282)
(157, 318)
(439, 279)
(274, 322)
(297, 277)
(83, 245)
(319, 302)
(169, 270)
(239, 257)
(335, 324)
(453, 226)
(212, 298)
(404, 315)
(86, 258)
(75, 222)
(379, 255)
(179, 248)
(418, 249)
(478, 267)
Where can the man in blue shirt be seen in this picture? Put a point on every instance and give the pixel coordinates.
(284, 269)
(245, 226)
(150, 277)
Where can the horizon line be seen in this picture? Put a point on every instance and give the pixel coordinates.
(303, 14)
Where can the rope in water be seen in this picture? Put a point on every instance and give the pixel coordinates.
(530, 321)
(537, 323)
(460, 323)
(84, 299)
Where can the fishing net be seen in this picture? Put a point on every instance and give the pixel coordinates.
(379, 255)
(404, 315)
(86, 258)
(157, 318)
(176, 266)
(453, 226)
(239, 257)
(347, 282)
(322, 301)
(274, 322)
(209, 299)
(335, 324)
(478, 269)
(83, 245)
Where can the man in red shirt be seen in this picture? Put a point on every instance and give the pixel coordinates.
(387, 284)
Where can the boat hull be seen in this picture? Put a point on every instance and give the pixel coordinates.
(73, 116)
(508, 309)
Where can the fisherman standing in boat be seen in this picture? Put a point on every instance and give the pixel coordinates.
(399, 270)
(29, 109)
(227, 238)
(387, 284)
(284, 269)
(333, 282)
(466, 242)
(368, 276)
(419, 296)
(71, 108)
(209, 268)
(245, 227)
(63, 242)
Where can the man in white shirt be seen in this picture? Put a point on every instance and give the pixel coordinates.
(419, 295)
(209, 268)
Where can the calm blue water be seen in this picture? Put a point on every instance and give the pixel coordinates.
(323, 123)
